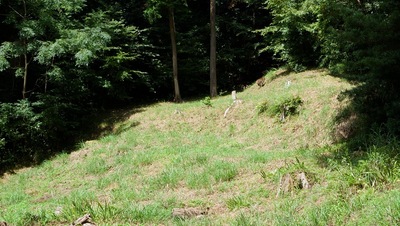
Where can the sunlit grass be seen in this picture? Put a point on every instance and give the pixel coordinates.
(170, 156)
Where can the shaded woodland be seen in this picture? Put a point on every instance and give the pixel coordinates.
(64, 62)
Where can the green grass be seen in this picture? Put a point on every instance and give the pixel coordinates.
(158, 160)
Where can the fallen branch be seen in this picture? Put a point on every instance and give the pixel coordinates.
(84, 220)
(189, 212)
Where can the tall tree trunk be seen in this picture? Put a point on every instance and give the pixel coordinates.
(26, 63)
(213, 63)
(25, 75)
(177, 97)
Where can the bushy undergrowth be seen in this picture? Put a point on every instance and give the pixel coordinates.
(375, 165)
(20, 129)
(354, 39)
(32, 131)
(288, 107)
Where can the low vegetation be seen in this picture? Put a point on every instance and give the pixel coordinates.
(187, 164)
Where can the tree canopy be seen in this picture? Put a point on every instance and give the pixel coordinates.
(62, 61)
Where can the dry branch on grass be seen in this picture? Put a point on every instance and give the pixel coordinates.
(189, 212)
(85, 220)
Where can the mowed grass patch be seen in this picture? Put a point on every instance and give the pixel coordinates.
(189, 155)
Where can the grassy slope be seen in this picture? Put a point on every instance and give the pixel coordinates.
(169, 156)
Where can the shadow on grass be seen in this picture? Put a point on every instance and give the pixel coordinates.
(367, 132)
(110, 122)
(97, 124)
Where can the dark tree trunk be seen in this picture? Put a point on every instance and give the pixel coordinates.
(25, 76)
(213, 64)
(177, 96)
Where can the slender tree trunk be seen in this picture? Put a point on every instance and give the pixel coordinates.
(25, 75)
(26, 63)
(213, 63)
(177, 97)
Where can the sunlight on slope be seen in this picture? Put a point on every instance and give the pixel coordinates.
(170, 155)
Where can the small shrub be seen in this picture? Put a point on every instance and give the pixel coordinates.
(290, 107)
(207, 101)
(283, 109)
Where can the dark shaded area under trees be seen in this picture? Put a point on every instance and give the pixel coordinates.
(80, 57)
(357, 40)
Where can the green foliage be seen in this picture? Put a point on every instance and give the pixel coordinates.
(379, 168)
(74, 62)
(96, 166)
(20, 133)
(32, 131)
(244, 220)
(376, 167)
(292, 167)
(287, 107)
(293, 35)
(290, 106)
(207, 101)
(355, 39)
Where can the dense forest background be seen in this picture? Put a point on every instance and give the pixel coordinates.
(63, 62)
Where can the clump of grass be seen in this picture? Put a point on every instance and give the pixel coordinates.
(138, 214)
(144, 158)
(243, 220)
(168, 178)
(260, 158)
(96, 165)
(198, 180)
(76, 208)
(376, 167)
(237, 202)
(283, 109)
(223, 171)
(262, 107)
(189, 160)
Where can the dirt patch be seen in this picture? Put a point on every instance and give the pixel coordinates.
(77, 156)
(153, 169)
(44, 198)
